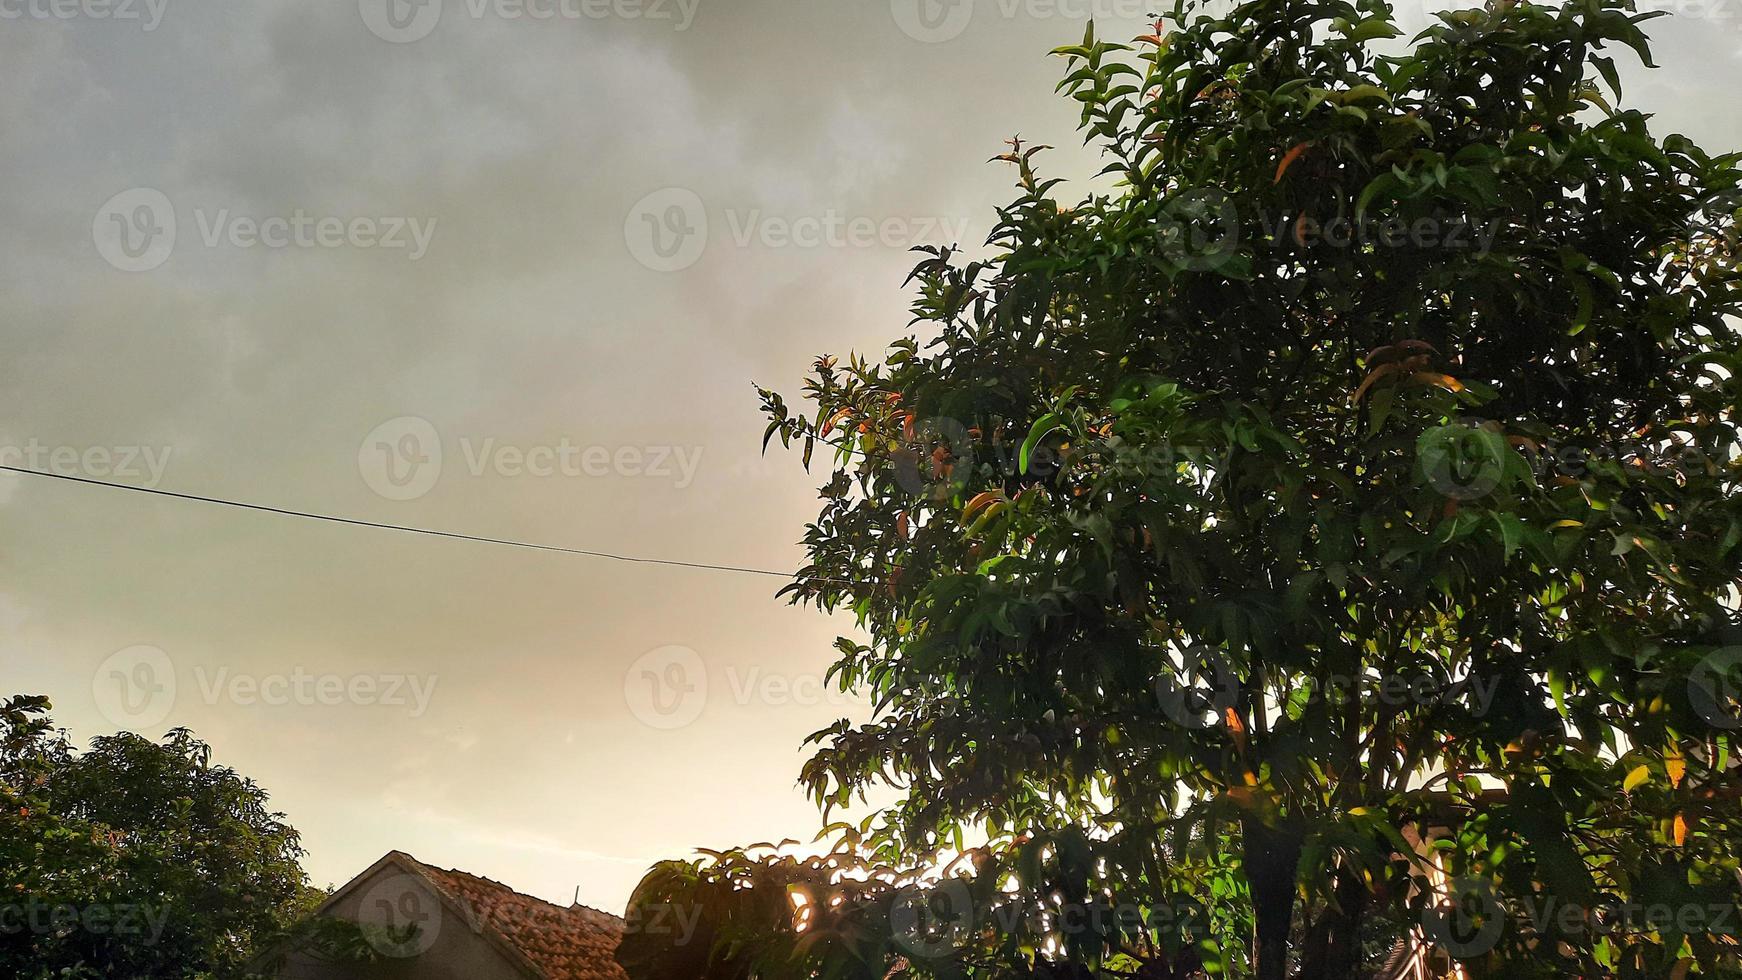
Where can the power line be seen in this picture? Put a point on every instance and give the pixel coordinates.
(452, 535)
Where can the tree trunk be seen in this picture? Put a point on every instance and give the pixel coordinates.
(1345, 952)
(1272, 860)
(1333, 947)
(1317, 947)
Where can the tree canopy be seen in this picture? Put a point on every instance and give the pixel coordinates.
(135, 858)
(1328, 535)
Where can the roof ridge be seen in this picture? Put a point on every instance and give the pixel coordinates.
(508, 888)
(588, 908)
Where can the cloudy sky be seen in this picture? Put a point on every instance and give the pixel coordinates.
(459, 266)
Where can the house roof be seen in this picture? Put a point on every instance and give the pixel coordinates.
(574, 943)
(549, 941)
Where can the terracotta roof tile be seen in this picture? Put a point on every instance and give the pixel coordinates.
(576, 943)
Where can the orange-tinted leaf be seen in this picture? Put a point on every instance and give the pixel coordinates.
(1377, 373)
(981, 502)
(1288, 160)
(1237, 727)
(833, 419)
(1445, 381)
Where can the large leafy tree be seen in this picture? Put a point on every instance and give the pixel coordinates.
(135, 858)
(1334, 522)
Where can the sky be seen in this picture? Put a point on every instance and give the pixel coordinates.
(506, 268)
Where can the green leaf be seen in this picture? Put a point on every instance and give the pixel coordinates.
(1042, 427)
(1374, 28)
(1606, 66)
(1384, 182)
(1587, 302)
(1360, 92)
(1512, 532)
